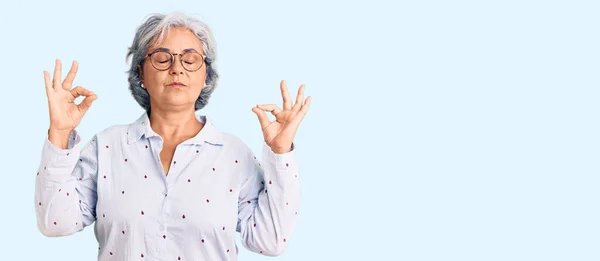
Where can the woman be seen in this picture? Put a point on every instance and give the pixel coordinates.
(169, 186)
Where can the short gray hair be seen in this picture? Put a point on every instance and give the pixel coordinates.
(153, 29)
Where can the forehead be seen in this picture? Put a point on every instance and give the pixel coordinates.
(177, 40)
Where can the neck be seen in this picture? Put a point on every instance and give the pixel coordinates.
(175, 126)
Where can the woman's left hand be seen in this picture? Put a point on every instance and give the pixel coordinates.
(279, 134)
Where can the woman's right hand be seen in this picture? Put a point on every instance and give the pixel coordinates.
(65, 115)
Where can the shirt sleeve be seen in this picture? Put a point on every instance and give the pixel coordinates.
(268, 201)
(65, 187)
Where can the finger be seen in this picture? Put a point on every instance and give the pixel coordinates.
(262, 117)
(270, 108)
(48, 82)
(57, 70)
(70, 76)
(287, 102)
(303, 110)
(299, 99)
(84, 106)
(80, 91)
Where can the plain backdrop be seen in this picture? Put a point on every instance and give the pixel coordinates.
(439, 130)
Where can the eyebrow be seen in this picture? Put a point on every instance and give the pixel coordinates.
(167, 50)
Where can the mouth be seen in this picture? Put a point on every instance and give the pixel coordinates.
(176, 84)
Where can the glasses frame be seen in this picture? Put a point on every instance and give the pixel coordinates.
(173, 59)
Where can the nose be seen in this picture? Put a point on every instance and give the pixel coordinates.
(176, 67)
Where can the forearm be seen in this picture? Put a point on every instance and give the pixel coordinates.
(57, 200)
(270, 227)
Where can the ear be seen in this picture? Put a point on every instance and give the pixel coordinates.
(141, 74)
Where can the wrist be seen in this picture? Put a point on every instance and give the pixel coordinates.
(281, 150)
(59, 138)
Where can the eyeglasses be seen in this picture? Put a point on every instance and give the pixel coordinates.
(163, 60)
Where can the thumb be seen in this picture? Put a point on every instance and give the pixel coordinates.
(86, 103)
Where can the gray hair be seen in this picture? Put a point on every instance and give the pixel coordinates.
(153, 29)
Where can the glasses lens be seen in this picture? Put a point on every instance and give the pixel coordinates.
(161, 60)
(192, 61)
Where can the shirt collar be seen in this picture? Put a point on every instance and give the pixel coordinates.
(140, 129)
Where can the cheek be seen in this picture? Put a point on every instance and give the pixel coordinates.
(198, 79)
(150, 75)
(155, 80)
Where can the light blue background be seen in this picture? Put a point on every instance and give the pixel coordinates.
(439, 130)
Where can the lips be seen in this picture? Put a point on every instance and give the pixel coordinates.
(176, 84)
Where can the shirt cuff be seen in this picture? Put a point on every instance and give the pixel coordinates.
(282, 168)
(52, 153)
